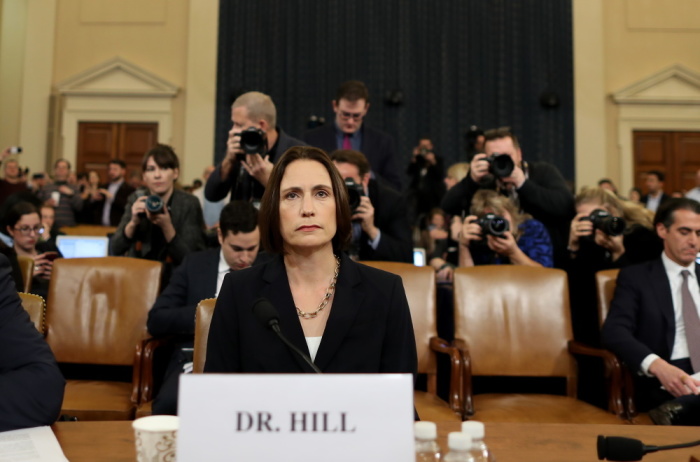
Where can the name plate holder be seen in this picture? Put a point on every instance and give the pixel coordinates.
(304, 417)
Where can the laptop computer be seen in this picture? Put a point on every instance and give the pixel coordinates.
(83, 246)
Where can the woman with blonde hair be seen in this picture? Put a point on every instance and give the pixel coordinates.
(524, 241)
(607, 232)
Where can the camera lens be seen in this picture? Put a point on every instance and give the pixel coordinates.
(500, 165)
(154, 204)
(355, 193)
(253, 141)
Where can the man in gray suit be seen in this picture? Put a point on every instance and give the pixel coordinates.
(242, 173)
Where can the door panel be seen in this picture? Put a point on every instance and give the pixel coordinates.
(99, 142)
(676, 154)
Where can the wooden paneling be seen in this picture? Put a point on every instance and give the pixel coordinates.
(99, 142)
(676, 154)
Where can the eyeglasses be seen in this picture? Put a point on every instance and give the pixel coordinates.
(349, 115)
(27, 230)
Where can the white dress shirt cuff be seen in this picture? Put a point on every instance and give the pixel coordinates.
(374, 243)
(646, 363)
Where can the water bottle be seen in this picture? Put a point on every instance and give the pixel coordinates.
(460, 445)
(427, 449)
(479, 449)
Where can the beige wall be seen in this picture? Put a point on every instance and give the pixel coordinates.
(43, 42)
(639, 38)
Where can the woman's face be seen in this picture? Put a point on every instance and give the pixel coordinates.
(635, 196)
(93, 177)
(26, 233)
(307, 206)
(438, 220)
(450, 182)
(159, 180)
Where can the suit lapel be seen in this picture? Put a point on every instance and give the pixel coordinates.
(664, 300)
(278, 293)
(349, 296)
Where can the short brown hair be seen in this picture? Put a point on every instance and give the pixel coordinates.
(356, 158)
(501, 132)
(269, 218)
(163, 155)
(352, 90)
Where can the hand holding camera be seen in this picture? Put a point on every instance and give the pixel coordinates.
(599, 225)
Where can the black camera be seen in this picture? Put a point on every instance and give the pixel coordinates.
(355, 193)
(492, 224)
(253, 141)
(602, 220)
(500, 165)
(154, 204)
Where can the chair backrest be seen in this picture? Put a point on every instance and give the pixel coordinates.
(515, 320)
(205, 310)
(605, 282)
(419, 284)
(36, 307)
(97, 308)
(26, 267)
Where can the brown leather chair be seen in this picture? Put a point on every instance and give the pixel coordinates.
(606, 282)
(205, 310)
(515, 321)
(203, 314)
(419, 284)
(26, 267)
(96, 314)
(36, 307)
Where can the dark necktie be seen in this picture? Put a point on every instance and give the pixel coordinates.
(346, 141)
(692, 323)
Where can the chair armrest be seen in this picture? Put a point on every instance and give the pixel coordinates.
(439, 345)
(614, 375)
(143, 367)
(467, 389)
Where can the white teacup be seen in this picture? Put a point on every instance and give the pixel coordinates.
(156, 438)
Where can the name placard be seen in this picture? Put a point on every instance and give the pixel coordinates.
(304, 417)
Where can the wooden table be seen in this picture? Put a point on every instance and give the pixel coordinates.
(510, 442)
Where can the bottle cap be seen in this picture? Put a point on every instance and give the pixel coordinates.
(425, 430)
(474, 428)
(458, 441)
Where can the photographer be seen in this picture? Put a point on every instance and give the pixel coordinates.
(380, 229)
(426, 186)
(606, 233)
(496, 234)
(247, 166)
(161, 222)
(536, 187)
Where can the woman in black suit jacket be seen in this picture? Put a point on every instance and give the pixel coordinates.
(359, 315)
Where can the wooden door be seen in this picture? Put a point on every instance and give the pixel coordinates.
(676, 154)
(99, 142)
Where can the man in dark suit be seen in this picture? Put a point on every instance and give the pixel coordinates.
(538, 188)
(199, 277)
(655, 187)
(653, 323)
(381, 229)
(245, 175)
(31, 385)
(350, 105)
(109, 206)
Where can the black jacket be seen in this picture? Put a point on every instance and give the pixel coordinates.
(369, 328)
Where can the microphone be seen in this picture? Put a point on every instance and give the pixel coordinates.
(618, 448)
(268, 316)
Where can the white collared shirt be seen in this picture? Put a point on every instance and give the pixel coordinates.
(223, 271)
(654, 201)
(675, 278)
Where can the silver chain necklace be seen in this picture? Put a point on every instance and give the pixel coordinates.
(329, 292)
